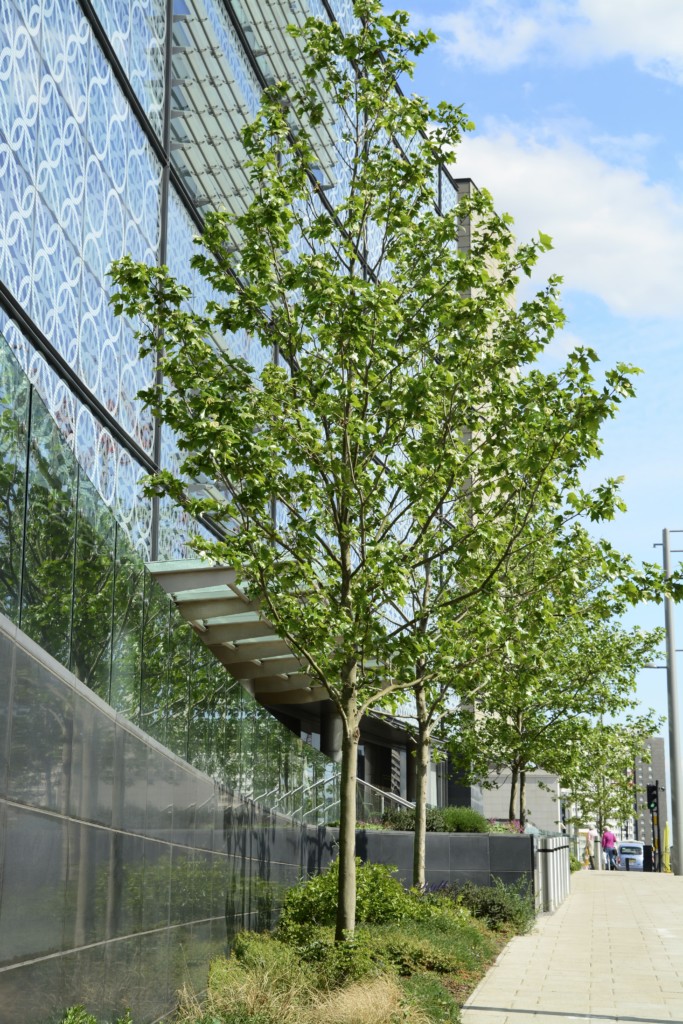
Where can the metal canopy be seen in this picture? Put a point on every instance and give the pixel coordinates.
(235, 632)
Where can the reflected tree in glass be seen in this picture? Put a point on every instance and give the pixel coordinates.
(126, 659)
(154, 694)
(182, 644)
(47, 584)
(93, 590)
(14, 405)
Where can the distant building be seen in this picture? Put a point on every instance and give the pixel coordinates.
(544, 810)
(647, 774)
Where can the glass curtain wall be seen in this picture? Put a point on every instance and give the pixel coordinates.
(71, 580)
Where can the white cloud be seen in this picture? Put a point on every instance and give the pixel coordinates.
(617, 235)
(499, 34)
(650, 31)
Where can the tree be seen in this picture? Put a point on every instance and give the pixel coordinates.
(564, 659)
(601, 782)
(401, 422)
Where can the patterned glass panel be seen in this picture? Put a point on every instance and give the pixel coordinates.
(14, 410)
(82, 186)
(343, 12)
(181, 248)
(137, 31)
(110, 468)
(449, 194)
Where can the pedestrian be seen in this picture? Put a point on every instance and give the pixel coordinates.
(591, 840)
(609, 848)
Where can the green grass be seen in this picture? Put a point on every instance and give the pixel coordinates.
(426, 993)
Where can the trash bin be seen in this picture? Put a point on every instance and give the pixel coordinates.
(648, 862)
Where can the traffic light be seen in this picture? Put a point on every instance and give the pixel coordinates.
(652, 797)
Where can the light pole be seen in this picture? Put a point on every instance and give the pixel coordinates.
(674, 727)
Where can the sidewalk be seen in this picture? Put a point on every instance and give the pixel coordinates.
(612, 952)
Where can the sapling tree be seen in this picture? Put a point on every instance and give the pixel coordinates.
(401, 422)
(563, 659)
(601, 783)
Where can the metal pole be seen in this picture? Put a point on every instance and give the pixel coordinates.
(659, 834)
(674, 728)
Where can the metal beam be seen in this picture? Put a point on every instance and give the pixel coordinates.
(244, 652)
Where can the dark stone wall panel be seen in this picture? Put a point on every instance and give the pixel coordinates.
(7, 650)
(119, 862)
(451, 857)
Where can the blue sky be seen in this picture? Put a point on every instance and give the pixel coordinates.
(577, 106)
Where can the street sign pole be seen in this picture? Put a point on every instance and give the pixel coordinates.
(674, 727)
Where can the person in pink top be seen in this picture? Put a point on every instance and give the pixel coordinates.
(609, 848)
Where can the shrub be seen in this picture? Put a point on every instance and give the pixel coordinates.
(500, 906)
(381, 950)
(463, 819)
(574, 863)
(380, 897)
(438, 819)
(506, 827)
(340, 963)
(399, 819)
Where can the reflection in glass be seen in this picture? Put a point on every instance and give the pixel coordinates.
(47, 587)
(126, 659)
(93, 591)
(83, 593)
(14, 402)
(154, 695)
(182, 643)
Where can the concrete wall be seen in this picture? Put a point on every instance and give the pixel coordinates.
(543, 806)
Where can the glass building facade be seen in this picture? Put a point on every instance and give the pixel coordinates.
(148, 804)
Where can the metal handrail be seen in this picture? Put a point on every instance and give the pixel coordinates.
(385, 795)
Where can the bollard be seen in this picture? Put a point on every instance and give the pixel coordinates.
(597, 854)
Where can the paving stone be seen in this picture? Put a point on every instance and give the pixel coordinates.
(613, 952)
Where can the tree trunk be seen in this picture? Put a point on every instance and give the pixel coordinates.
(512, 807)
(421, 779)
(522, 800)
(346, 893)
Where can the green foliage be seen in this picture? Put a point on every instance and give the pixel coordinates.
(392, 357)
(464, 819)
(438, 819)
(508, 828)
(258, 951)
(380, 949)
(341, 963)
(574, 863)
(601, 782)
(428, 995)
(380, 897)
(501, 906)
(79, 1015)
(562, 659)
